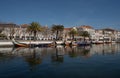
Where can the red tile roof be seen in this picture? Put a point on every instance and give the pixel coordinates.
(86, 26)
(24, 25)
(67, 29)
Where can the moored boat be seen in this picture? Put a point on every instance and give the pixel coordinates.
(18, 44)
(72, 43)
(84, 43)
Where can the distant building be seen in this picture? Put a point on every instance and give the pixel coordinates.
(109, 34)
(118, 36)
(20, 32)
(105, 35)
(46, 34)
(66, 35)
(9, 30)
(98, 36)
(89, 29)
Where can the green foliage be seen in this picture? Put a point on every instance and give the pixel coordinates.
(73, 32)
(84, 34)
(34, 28)
(57, 29)
(1, 30)
(2, 35)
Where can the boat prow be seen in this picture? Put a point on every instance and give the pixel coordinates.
(18, 44)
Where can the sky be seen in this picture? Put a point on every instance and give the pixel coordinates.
(96, 13)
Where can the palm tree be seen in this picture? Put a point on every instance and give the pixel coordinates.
(84, 34)
(103, 32)
(73, 32)
(34, 28)
(57, 29)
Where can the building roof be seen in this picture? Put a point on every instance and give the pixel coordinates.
(67, 29)
(24, 25)
(109, 29)
(8, 25)
(86, 26)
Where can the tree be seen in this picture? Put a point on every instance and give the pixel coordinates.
(57, 29)
(34, 28)
(1, 30)
(12, 32)
(46, 31)
(73, 32)
(84, 34)
(3, 36)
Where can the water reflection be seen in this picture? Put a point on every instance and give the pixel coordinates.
(6, 54)
(56, 62)
(79, 51)
(105, 49)
(35, 56)
(58, 55)
(33, 59)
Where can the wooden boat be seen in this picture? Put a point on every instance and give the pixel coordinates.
(18, 44)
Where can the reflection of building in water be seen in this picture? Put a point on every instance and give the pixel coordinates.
(78, 51)
(87, 51)
(105, 49)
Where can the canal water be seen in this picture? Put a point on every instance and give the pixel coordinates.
(96, 61)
